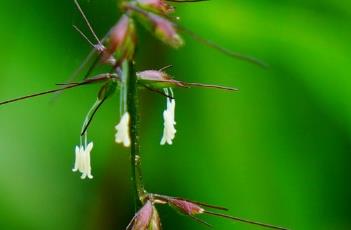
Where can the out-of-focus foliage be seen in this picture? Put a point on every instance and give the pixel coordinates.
(278, 151)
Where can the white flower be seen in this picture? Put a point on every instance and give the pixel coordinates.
(122, 135)
(82, 161)
(169, 130)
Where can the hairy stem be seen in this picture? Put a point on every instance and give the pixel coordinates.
(132, 103)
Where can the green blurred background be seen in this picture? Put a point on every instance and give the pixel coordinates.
(278, 151)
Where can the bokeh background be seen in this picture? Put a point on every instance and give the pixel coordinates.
(278, 151)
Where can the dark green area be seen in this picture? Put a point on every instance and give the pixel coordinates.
(277, 151)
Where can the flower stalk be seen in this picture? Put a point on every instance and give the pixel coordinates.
(133, 108)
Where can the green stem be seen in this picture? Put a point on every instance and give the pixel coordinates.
(132, 103)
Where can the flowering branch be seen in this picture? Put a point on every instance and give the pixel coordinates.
(117, 50)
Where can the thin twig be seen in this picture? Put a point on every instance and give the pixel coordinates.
(221, 49)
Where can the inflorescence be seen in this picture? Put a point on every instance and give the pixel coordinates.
(117, 50)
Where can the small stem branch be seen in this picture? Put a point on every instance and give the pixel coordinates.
(132, 103)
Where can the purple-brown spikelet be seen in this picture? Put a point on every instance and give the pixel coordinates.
(121, 40)
(166, 31)
(157, 6)
(142, 218)
(186, 207)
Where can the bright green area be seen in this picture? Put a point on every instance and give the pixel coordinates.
(278, 151)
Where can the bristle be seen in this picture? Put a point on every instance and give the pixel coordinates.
(221, 49)
(39, 94)
(245, 221)
(87, 21)
(212, 86)
(201, 221)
